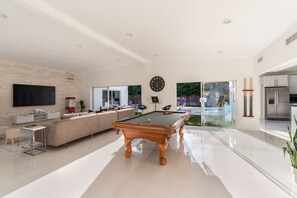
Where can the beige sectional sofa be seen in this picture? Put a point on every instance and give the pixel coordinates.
(125, 113)
(66, 130)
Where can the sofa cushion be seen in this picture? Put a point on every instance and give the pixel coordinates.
(83, 113)
(105, 119)
(69, 115)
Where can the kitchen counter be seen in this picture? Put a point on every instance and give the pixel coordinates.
(293, 113)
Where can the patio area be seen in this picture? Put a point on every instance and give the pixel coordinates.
(211, 116)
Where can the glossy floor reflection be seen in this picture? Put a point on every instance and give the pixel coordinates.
(201, 165)
(264, 153)
(275, 127)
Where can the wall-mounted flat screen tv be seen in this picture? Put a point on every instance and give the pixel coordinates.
(33, 95)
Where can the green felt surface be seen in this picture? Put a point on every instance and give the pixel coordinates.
(156, 118)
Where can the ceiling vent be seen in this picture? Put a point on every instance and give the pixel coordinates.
(260, 59)
(70, 78)
(291, 39)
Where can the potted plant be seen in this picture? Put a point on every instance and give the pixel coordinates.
(82, 105)
(290, 148)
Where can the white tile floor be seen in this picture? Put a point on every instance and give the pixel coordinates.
(275, 127)
(198, 166)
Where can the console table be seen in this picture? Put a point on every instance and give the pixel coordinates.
(36, 148)
(19, 119)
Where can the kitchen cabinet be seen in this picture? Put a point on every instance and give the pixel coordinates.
(293, 84)
(275, 81)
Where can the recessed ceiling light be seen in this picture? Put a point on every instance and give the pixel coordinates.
(226, 21)
(79, 46)
(220, 52)
(3, 16)
(129, 34)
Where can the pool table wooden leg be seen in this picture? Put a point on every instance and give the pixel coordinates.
(181, 130)
(163, 148)
(128, 147)
(117, 131)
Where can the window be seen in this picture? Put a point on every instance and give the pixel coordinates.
(188, 94)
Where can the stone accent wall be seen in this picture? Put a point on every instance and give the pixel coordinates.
(15, 73)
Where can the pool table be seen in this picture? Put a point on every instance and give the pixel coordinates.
(156, 126)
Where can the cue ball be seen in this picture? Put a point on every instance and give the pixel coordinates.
(148, 120)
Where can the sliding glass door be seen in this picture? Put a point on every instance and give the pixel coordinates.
(218, 104)
(100, 97)
(105, 97)
(188, 99)
(134, 96)
(210, 103)
(110, 97)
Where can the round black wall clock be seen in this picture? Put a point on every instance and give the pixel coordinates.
(157, 83)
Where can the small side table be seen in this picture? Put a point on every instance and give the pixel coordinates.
(36, 148)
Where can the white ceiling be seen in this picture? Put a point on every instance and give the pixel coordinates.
(89, 35)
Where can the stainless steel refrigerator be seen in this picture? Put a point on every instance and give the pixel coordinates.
(277, 103)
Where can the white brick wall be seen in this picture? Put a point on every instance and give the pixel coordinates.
(15, 73)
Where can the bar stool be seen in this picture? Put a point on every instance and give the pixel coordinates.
(166, 108)
(11, 134)
(142, 108)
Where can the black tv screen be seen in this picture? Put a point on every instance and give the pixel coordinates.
(33, 95)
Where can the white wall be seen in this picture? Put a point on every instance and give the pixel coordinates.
(180, 71)
(278, 55)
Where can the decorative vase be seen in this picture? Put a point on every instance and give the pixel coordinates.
(294, 172)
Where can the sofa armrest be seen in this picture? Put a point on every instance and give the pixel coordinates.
(125, 113)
